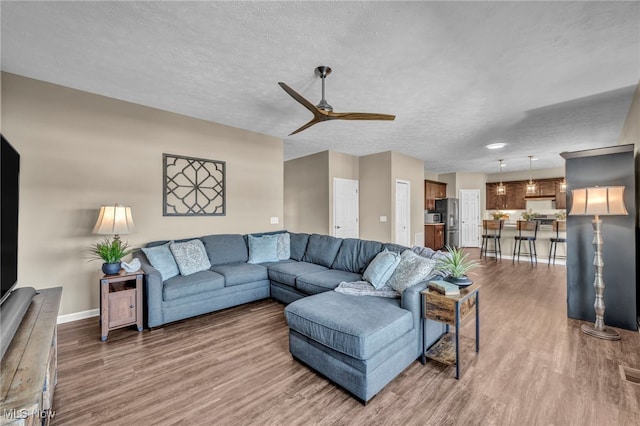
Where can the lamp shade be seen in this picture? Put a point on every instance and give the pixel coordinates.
(598, 200)
(114, 220)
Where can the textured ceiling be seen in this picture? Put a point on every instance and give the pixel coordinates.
(543, 77)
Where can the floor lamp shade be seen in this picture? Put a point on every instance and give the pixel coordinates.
(114, 220)
(596, 201)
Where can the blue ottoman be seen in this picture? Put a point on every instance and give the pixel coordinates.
(359, 342)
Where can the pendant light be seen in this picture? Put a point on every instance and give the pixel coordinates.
(563, 185)
(501, 189)
(531, 187)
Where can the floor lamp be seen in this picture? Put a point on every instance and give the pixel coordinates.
(598, 201)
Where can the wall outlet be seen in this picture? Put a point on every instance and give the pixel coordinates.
(383, 218)
(275, 220)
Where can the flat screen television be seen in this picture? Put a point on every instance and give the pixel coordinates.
(9, 194)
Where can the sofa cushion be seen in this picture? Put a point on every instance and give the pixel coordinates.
(284, 246)
(183, 286)
(318, 282)
(241, 273)
(161, 258)
(190, 256)
(394, 247)
(225, 248)
(372, 323)
(286, 272)
(411, 270)
(263, 249)
(381, 268)
(354, 255)
(322, 249)
(298, 245)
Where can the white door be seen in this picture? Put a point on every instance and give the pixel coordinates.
(469, 218)
(403, 212)
(345, 208)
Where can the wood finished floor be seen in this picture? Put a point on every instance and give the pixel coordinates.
(535, 367)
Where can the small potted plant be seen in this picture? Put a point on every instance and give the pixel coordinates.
(111, 253)
(456, 264)
(529, 215)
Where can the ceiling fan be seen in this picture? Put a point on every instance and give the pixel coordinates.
(323, 111)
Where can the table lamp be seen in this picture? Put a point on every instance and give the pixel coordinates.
(114, 220)
(598, 201)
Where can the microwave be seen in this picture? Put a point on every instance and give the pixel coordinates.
(432, 217)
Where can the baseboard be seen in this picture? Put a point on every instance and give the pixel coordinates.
(78, 316)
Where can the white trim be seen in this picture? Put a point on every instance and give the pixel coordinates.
(78, 316)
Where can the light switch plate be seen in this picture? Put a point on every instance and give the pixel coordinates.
(275, 220)
(383, 218)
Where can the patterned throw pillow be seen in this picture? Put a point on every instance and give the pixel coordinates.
(411, 270)
(381, 268)
(263, 249)
(191, 257)
(161, 258)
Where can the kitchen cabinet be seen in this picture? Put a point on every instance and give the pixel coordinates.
(433, 191)
(434, 236)
(516, 196)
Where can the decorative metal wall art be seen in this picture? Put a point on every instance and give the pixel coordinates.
(193, 186)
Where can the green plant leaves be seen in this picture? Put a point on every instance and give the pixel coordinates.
(109, 251)
(457, 263)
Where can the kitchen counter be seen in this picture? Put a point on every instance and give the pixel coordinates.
(545, 232)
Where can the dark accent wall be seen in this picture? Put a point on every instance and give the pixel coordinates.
(603, 167)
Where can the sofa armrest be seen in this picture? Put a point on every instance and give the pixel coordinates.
(152, 290)
(412, 301)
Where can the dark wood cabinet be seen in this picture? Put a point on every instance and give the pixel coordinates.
(434, 236)
(433, 191)
(516, 194)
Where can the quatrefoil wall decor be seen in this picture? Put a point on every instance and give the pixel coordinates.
(193, 186)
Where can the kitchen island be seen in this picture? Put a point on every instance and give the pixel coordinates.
(545, 232)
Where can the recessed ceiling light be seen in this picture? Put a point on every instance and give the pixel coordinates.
(496, 145)
(534, 158)
(503, 165)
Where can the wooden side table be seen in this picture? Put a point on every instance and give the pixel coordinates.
(120, 301)
(451, 310)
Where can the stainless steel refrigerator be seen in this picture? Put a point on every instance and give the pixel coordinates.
(448, 208)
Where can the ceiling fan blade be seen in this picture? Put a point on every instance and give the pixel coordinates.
(298, 97)
(313, 121)
(359, 116)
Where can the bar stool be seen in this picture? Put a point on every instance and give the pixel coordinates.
(491, 230)
(559, 226)
(527, 231)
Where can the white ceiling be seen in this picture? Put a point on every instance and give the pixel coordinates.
(543, 77)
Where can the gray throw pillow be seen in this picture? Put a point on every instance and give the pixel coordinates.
(381, 268)
(411, 270)
(161, 258)
(263, 249)
(284, 246)
(190, 256)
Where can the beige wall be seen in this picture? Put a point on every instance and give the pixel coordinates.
(552, 172)
(430, 175)
(306, 194)
(79, 151)
(450, 180)
(375, 196)
(410, 169)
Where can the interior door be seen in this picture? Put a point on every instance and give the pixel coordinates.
(403, 213)
(469, 217)
(345, 208)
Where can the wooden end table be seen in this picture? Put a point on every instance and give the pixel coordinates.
(451, 310)
(120, 301)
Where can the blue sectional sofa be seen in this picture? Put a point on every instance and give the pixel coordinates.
(359, 342)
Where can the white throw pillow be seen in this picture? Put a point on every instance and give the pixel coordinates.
(190, 256)
(411, 270)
